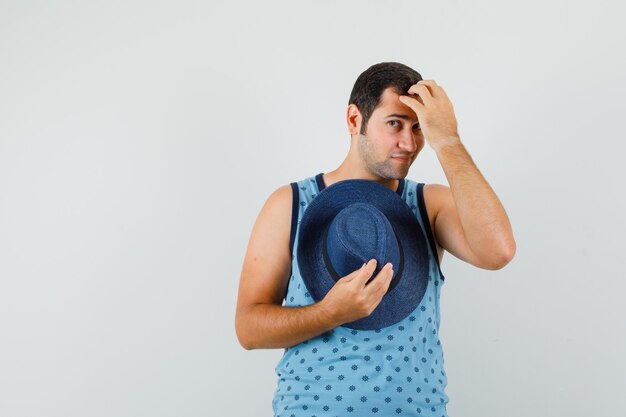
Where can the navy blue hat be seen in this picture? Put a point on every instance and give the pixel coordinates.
(351, 222)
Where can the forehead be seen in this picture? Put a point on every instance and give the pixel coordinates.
(389, 96)
(390, 104)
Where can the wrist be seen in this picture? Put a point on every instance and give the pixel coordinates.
(328, 314)
(447, 143)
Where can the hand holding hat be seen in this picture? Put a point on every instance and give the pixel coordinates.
(353, 298)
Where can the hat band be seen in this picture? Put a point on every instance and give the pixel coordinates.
(329, 266)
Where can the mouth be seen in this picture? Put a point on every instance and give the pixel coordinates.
(402, 159)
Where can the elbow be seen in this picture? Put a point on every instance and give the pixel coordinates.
(243, 334)
(246, 345)
(243, 341)
(505, 255)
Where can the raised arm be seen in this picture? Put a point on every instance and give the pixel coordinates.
(470, 222)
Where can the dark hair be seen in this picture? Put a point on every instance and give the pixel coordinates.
(369, 87)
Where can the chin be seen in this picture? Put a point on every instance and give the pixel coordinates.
(402, 173)
(396, 176)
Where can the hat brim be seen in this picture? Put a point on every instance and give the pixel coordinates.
(408, 291)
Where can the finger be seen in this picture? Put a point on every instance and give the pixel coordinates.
(381, 277)
(366, 272)
(380, 285)
(354, 274)
(388, 282)
(422, 90)
(427, 82)
(431, 84)
(435, 89)
(413, 96)
(413, 103)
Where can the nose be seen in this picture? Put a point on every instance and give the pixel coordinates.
(408, 141)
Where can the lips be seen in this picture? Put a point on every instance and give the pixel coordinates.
(403, 159)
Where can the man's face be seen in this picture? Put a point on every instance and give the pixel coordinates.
(393, 138)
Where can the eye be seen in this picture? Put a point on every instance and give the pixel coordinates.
(393, 121)
(417, 126)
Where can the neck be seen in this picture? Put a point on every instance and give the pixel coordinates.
(353, 168)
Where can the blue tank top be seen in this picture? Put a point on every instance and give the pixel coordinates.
(396, 370)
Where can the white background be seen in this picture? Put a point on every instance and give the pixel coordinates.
(139, 140)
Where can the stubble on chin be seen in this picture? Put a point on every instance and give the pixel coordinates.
(383, 169)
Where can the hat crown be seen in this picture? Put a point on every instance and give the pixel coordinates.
(358, 233)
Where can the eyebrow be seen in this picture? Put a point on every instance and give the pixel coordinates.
(399, 116)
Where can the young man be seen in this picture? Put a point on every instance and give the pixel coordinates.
(330, 369)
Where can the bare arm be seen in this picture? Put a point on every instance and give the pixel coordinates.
(260, 320)
(470, 221)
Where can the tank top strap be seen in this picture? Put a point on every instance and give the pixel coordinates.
(415, 200)
(303, 192)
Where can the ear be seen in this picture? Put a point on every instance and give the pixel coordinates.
(354, 119)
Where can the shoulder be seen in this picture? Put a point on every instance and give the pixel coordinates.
(276, 211)
(268, 258)
(436, 193)
(280, 198)
(436, 197)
